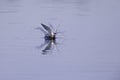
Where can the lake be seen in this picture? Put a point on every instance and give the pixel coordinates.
(87, 47)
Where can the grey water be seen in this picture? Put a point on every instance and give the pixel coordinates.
(88, 47)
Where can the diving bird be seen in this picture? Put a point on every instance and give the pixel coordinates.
(49, 38)
(49, 33)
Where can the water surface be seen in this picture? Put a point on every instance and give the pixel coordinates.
(89, 48)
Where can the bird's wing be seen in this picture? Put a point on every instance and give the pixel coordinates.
(39, 28)
(47, 28)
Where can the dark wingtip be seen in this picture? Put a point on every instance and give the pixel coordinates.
(42, 24)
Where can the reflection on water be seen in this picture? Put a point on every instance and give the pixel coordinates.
(47, 47)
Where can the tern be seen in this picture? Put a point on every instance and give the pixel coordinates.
(49, 37)
(49, 33)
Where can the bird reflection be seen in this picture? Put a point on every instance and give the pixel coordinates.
(49, 39)
(48, 46)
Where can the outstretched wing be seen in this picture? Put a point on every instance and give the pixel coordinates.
(39, 28)
(47, 28)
